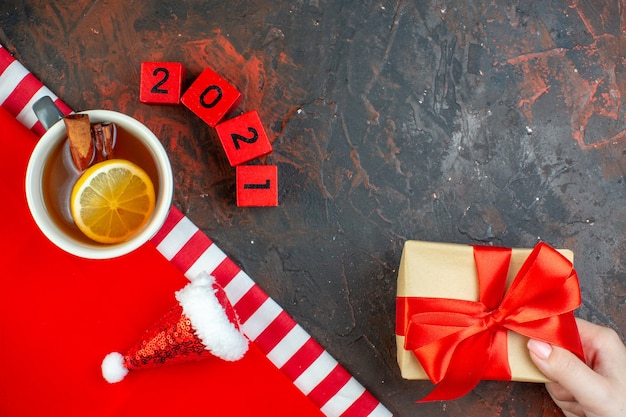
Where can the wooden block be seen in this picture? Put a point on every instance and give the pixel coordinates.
(211, 97)
(257, 185)
(161, 82)
(243, 138)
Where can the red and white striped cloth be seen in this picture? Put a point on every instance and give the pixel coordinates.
(285, 343)
(19, 89)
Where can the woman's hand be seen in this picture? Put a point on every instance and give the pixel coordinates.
(596, 388)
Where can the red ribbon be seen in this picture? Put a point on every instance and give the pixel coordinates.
(461, 342)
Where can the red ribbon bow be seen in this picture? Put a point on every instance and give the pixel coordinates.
(461, 342)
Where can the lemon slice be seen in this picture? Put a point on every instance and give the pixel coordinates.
(112, 200)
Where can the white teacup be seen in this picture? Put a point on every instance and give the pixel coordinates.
(61, 231)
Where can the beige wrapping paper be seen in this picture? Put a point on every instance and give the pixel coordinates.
(447, 270)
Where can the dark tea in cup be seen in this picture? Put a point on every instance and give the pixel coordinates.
(51, 175)
(60, 174)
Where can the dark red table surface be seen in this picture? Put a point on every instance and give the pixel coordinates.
(480, 122)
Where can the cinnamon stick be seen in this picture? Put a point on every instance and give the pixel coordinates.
(97, 136)
(89, 142)
(104, 138)
(82, 148)
(110, 138)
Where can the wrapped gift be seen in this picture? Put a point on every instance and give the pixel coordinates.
(465, 313)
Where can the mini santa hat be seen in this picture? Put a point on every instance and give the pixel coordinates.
(202, 324)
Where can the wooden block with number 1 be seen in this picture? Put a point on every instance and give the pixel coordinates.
(161, 82)
(243, 138)
(257, 185)
(211, 97)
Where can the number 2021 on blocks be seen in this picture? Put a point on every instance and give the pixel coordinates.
(243, 137)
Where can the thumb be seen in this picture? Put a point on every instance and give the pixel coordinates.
(566, 369)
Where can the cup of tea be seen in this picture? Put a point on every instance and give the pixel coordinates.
(50, 180)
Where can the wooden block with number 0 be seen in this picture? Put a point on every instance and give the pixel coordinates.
(243, 138)
(161, 82)
(211, 97)
(257, 185)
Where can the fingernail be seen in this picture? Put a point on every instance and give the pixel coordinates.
(541, 349)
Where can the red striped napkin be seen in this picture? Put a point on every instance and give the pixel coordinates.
(19, 89)
(287, 346)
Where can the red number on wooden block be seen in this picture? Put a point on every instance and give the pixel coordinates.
(243, 138)
(211, 97)
(257, 185)
(161, 82)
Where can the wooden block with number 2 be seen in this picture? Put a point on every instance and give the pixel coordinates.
(257, 185)
(243, 138)
(161, 82)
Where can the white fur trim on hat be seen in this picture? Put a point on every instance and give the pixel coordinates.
(113, 369)
(209, 319)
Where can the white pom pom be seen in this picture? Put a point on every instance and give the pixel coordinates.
(113, 369)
